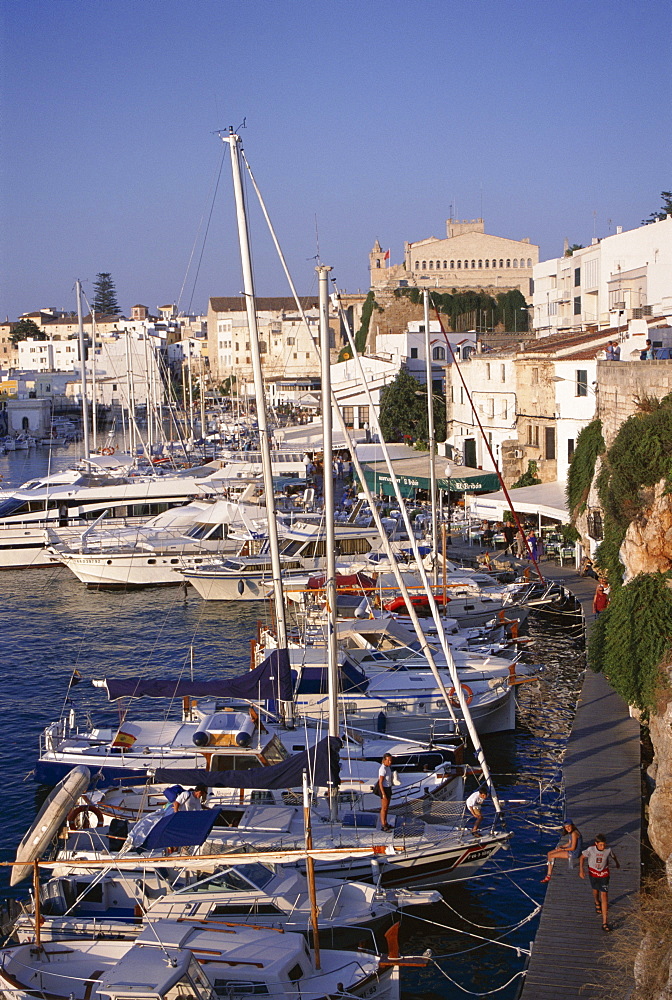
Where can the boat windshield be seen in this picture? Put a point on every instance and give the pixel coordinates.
(12, 505)
(253, 876)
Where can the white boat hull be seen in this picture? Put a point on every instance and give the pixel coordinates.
(115, 571)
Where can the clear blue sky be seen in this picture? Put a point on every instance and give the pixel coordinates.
(365, 120)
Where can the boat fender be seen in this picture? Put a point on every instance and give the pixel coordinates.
(79, 818)
(246, 731)
(466, 690)
(107, 451)
(381, 723)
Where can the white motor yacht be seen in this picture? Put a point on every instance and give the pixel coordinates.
(170, 960)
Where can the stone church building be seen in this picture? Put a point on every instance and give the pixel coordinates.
(467, 258)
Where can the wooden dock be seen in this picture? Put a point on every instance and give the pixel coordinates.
(603, 795)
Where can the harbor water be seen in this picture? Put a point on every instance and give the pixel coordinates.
(52, 626)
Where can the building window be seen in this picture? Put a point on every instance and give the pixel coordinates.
(487, 263)
(595, 526)
(349, 416)
(445, 265)
(378, 263)
(439, 354)
(417, 265)
(535, 376)
(577, 305)
(473, 264)
(501, 263)
(462, 394)
(363, 415)
(533, 435)
(290, 342)
(414, 352)
(487, 371)
(529, 262)
(570, 449)
(452, 265)
(508, 263)
(515, 263)
(459, 263)
(502, 373)
(424, 265)
(581, 382)
(549, 434)
(491, 409)
(505, 410)
(577, 277)
(431, 265)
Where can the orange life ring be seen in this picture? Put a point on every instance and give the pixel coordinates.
(468, 694)
(84, 811)
(107, 451)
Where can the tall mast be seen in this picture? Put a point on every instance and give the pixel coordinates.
(431, 436)
(94, 387)
(327, 465)
(82, 359)
(234, 142)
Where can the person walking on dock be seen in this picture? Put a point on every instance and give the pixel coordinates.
(570, 850)
(598, 857)
(601, 599)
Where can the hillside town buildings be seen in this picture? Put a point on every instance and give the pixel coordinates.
(624, 277)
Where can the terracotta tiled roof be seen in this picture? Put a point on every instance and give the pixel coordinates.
(236, 303)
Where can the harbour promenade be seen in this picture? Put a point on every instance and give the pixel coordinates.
(603, 795)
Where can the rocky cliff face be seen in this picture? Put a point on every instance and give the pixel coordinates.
(647, 548)
(648, 542)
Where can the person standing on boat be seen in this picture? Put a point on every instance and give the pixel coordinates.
(192, 800)
(63, 515)
(570, 850)
(474, 805)
(384, 786)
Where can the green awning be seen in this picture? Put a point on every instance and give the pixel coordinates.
(414, 474)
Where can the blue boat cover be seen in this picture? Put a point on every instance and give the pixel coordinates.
(165, 828)
(270, 680)
(322, 763)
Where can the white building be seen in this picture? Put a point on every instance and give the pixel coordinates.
(48, 355)
(353, 401)
(613, 281)
(531, 403)
(126, 373)
(407, 349)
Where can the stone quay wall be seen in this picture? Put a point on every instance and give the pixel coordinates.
(622, 384)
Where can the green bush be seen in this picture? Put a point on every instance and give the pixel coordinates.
(362, 334)
(630, 640)
(528, 478)
(640, 457)
(589, 444)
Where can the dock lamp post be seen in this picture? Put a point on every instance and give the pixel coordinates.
(448, 472)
